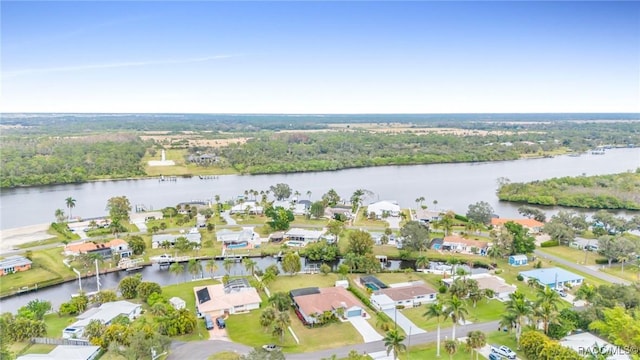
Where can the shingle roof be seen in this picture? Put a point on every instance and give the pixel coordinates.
(327, 300)
(407, 292)
(15, 260)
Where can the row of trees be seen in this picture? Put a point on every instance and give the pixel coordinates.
(594, 192)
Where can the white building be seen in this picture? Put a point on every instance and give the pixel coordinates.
(66, 352)
(193, 236)
(303, 235)
(250, 207)
(105, 314)
(384, 208)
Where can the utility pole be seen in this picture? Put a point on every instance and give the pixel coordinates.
(97, 275)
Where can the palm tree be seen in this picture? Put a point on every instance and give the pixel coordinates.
(520, 308)
(546, 306)
(456, 310)
(508, 320)
(249, 264)
(176, 269)
(623, 259)
(476, 340)
(532, 282)
(494, 252)
(267, 317)
(451, 347)
(436, 310)
(309, 194)
(281, 323)
(59, 214)
(228, 264)
(71, 203)
(587, 292)
(193, 267)
(422, 262)
(393, 341)
(435, 203)
(382, 321)
(212, 266)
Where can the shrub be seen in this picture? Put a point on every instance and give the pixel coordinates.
(498, 271)
(538, 265)
(550, 243)
(481, 264)
(605, 261)
(461, 218)
(520, 277)
(442, 289)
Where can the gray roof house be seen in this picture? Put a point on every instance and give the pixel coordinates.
(105, 313)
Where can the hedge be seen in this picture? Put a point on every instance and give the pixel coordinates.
(550, 243)
(605, 261)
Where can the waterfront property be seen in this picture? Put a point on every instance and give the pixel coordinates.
(312, 302)
(247, 207)
(332, 212)
(304, 236)
(518, 260)
(105, 314)
(14, 264)
(236, 239)
(553, 277)
(66, 352)
(405, 295)
(532, 225)
(427, 216)
(192, 236)
(383, 209)
(106, 250)
(234, 297)
(458, 244)
(501, 290)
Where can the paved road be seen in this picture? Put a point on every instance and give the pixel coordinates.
(201, 350)
(600, 275)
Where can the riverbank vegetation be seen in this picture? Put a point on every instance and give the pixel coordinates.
(47, 149)
(616, 191)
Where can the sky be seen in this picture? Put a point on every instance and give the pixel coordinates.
(319, 57)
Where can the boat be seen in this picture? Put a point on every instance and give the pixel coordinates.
(164, 258)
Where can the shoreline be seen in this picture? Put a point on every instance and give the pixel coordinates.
(9, 238)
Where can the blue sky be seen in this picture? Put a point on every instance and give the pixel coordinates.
(320, 57)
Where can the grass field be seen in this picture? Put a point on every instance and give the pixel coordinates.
(185, 291)
(287, 283)
(484, 311)
(55, 324)
(47, 268)
(574, 255)
(225, 355)
(181, 167)
(631, 272)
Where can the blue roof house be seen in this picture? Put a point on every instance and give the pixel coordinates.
(553, 277)
(518, 260)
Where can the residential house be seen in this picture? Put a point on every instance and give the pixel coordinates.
(177, 303)
(384, 208)
(332, 212)
(427, 216)
(14, 264)
(532, 225)
(518, 260)
(234, 238)
(297, 207)
(553, 277)
(105, 313)
(247, 207)
(303, 235)
(66, 352)
(455, 243)
(406, 295)
(193, 236)
(310, 303)
(500, 288)
(234, 297)
(107, 250)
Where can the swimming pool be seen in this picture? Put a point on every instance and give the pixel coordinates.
(237, 246)
(371, 286)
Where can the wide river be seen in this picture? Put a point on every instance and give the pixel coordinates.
(454, 186)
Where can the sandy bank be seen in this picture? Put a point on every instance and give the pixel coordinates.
(11, 238)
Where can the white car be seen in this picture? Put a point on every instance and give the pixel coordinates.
(503, 351)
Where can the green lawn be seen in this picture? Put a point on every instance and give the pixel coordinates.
(225, 355)
(428, 351)
(484, 311)
(302, 221)
(47, 268)
(39, 349)
(55, 324)
(574, 255)
(631, 272)
(325, 337)
(53, 240)
(246, 329)
(287, 283)
(185, 291)
(181, 167)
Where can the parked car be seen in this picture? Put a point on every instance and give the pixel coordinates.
(220, 323)
(208, 322)
(270, 347)
(503, 351)
(561, 292)
(494, 356)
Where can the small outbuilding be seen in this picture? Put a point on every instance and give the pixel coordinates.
(177, 303)
(518, 260)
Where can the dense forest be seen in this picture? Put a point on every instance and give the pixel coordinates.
(47, 160)
(618, 191)
(42, 149)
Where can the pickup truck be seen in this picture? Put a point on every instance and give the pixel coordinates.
(503, 351)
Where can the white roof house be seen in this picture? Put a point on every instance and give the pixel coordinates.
(177, 303)
(105, 313)
(192, 236)
(385, 207)
(297, 234)
(242, 208)
(229, 236)
(66, 352)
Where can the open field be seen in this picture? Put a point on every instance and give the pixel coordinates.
(631, 272)
(574, 255)
(286, 283)
(181, 167)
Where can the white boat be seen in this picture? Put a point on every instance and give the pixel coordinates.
(164, 258)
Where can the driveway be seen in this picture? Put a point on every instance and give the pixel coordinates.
(407, 325)
(227, 217)
(202, 350)
(394, 222)
(369, 334)
(584, 269)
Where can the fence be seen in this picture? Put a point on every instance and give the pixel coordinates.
(51, 341)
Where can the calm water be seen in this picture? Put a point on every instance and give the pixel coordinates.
(454, 186)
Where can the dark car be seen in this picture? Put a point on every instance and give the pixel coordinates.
(220, 323)
(270, 347)
(493, 356)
